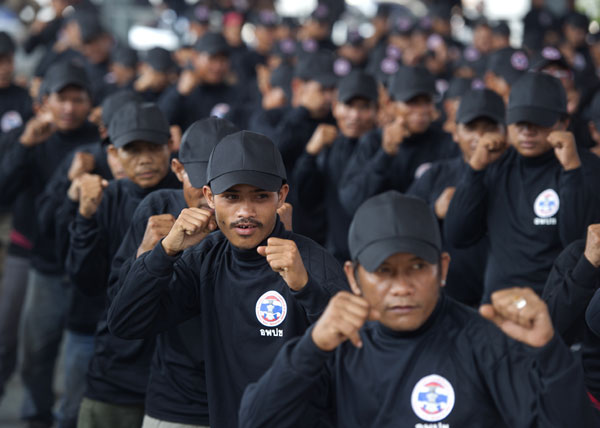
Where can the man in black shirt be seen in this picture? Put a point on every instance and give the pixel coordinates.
(139, 135)
(397, 352)
(533, 199)
(253, 284)
(15, 103)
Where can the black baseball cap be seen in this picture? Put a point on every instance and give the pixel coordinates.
(322, 13)
(90, 27)
(501, 28)
(160, 59)
(66, 73)
(595, 111)
(138, 122)
(536, 98)
(391, 223)
(125, 56)
(357, 84)
(115, 101)
(402, 25)
(7, 44)
(245, 158)
(408, 82)
(547, 56)
(477, 103)
(266, 18)
(317, 66)
(578, 20)
(457, 87)
(213, 44)
(197, 144)
(199, 13)
(508, 63)
(281, 77)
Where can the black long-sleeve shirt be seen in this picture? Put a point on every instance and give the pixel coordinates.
(457, 370)
(371, 170)
(176, 389)
(464, 281)
(569, 289)
(247, 310)
(15, 107)
(317, 179)
(117, 374)
(530, 208)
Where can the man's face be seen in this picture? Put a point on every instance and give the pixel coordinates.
(212, 68)
(98, 50)
(123, 75)
(70, 107)
(355, 117)
(194, 196)
(418, 113)
(531, 140)
(404, 288)
(317, 30)
(144, 163)
(7, 68)
(482, 39)
(468, 134)
(246, 214)
(450, 106)
(322, 98)
(500, 41)
(265, 37)
(575, 36)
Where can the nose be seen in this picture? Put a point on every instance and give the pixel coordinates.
(400, 286)
(246, 209)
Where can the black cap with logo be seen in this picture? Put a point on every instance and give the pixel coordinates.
(391, 223)
(138, 122)
(477, 103)
(357, 84)
(212, 44)
(245, 158)
(125, 56)
(536, 98)
(66, 73)
(317, 66)
(112, 103)
(197, 144)
(160, 60)
(409, 82)
(508, 63)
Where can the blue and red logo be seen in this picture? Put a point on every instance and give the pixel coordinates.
(271, 309)
(432, 398)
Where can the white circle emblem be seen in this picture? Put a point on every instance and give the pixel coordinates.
(546, 204)
(271, 309)
(432, 398)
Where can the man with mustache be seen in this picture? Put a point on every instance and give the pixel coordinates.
(140, 139)
(398, 352)
(253, 284)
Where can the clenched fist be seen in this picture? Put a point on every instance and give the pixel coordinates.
(91, 188)
(157, 228)
(592, 245)
(190, 228)
(393, 135)
(38, 129)
(342, 320)
(565, 149)
(283, 257)
(489, 149)
(323, 136)
(187, 82)
(521, 314)
(82, 162)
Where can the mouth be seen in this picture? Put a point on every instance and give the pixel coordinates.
(527, 144)
(146, 175)
(401, 309)
(245, 229)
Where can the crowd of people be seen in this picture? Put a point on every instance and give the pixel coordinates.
(401, 230)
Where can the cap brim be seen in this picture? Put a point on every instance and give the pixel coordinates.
(350, 95)
(412, 93)
(326, 80)
(62, 84)
(264, 181)
(472, 115)
(141, 135)
(536, 115)
(375, 254)
(196, 172)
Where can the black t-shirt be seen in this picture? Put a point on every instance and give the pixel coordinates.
(15, 107)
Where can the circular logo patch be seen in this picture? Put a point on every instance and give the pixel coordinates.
(10, 120)
(220, 110)
(432, 398)
(546, 204)
(389, 66)
(341, 67)
(271, 309)
(519, 61)
(551, 53)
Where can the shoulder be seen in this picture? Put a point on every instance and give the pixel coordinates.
(318, 261)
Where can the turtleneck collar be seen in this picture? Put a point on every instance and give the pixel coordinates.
(251, 254)
(542, 159)
(170, 181)
(428, 325)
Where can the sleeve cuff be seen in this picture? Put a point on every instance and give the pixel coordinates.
(381, 161)
(158, 262)
(572, 178)
(307, 358)
(85, 225)
(554, 356)
(585, 274)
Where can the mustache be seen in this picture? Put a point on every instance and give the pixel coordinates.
(246, 222)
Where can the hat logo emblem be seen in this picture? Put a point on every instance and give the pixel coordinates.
(389, 66)
(403, 23)
(432, 398)
(341, 67)
(271, 309)
(519, 61)
(551, 53)
(10, 120)
(471, 54)
(393, 52)
(309, 45)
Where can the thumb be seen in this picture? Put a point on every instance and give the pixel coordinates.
(262, 250)
(487, 311)
(104, 184)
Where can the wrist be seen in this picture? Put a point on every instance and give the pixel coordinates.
(168, 250)
(476, 165)
(594, 261)
(571, 165)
